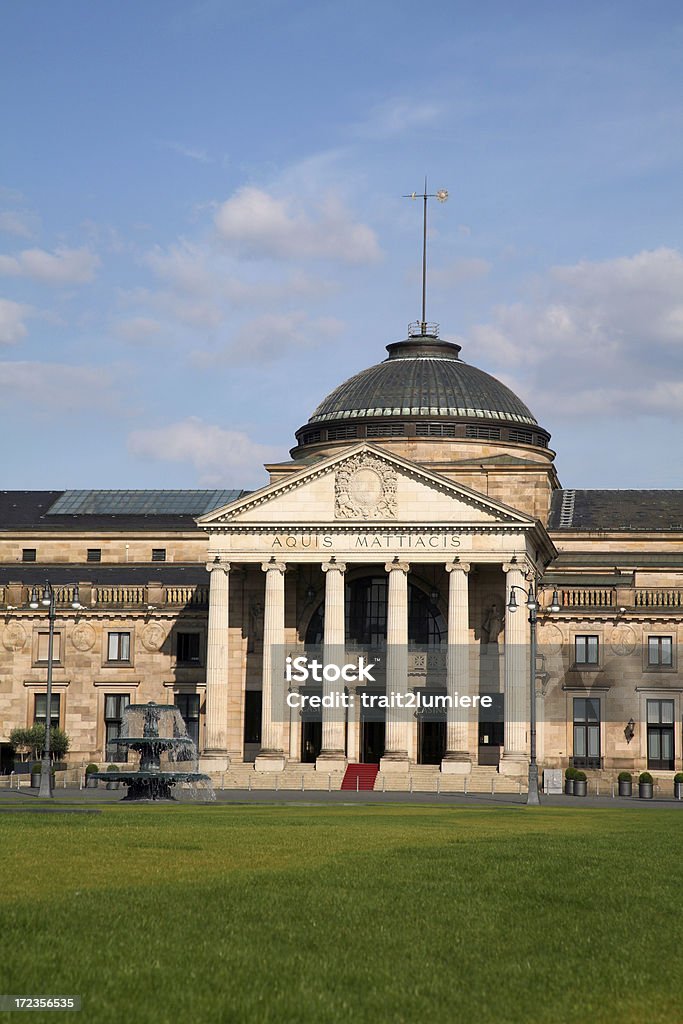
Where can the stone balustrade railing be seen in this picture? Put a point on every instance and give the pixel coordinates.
(647, 598)
(16, 597)
(585, 597)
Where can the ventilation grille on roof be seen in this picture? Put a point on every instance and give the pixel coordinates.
(385, 430)
(486, 433)
(340, 433)
(567, 510)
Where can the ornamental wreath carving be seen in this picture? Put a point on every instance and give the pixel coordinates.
(365, 487)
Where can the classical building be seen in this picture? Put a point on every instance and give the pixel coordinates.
(421, 501)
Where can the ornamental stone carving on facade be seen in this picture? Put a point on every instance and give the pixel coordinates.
(83, 637)
(153, 636)
(364, 488)
(623, 640)
(14, 637)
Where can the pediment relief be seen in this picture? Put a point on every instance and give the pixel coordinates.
(364, 485)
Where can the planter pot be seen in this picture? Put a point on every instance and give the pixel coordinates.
(625, 788)
(113, 785)
(645, 790)
(678, 790)
(569, 787)
(91, 783)
(35, 780)
(580, 787)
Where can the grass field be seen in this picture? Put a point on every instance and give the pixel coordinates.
(325, 914)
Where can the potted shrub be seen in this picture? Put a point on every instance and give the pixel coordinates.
(645, 787)
(569, 776)
(90, 770)
(112, 785)
(678, 786)
(625, 784)
(36, 771)
(580, 783)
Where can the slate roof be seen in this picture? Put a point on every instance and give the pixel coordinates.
(120, 574)
(627, 510)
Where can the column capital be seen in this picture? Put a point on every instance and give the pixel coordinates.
(514, 567)
(223, 566)
(403, 566)
(272, 564)
(329, 566)
(462, 566)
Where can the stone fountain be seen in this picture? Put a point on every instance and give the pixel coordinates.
(168, 756)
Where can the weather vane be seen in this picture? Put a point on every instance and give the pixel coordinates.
(442, 196)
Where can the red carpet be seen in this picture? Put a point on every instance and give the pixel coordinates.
(360, 776)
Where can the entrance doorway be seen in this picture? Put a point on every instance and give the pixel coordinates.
(431, 739)
(491, 730)
(311, 740)
(372, 742)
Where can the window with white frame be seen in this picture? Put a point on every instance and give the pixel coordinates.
(660, 651)
(118, 646)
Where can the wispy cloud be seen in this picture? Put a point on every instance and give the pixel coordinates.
(22, 223)
(57, 386)
(191, 152)
(12, 316)
(218, 456)
(398, 116)
(61, 267)
(603, 338)
(270, 337)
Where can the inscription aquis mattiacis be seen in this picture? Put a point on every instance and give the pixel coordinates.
(364, 541)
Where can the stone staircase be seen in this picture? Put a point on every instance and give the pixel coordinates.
(419, 779)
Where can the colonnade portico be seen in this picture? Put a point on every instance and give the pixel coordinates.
(281, 735)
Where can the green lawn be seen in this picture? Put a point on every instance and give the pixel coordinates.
(320, 914)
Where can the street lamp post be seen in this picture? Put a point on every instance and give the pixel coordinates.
(48, 600)
(532, 607)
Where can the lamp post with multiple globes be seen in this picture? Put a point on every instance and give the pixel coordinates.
(532, 607)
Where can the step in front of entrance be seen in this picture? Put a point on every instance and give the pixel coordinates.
(360, 777)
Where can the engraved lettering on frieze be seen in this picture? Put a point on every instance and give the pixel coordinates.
(365, 487)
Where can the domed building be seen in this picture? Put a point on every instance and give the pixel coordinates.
(379, 614)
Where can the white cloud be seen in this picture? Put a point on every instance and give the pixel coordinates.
(269, 337)
(259, 225)
(138, 328)
(55, 385)
(595, 324)
(219, 456)
(18, 222)
(12, 316)
(63, 266)
(191, 152)
(459, 271)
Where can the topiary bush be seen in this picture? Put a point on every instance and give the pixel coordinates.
(112, 768)
(678, 777)
(90, 768)
(580, 776)
(645, 777)
(624, 777)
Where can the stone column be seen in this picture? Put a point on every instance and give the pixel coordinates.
(294, 729)
(353, 726)
(396, 736)
(332, 756)
(271, 757)
(457, 759)
(217, 667)
(515, 760)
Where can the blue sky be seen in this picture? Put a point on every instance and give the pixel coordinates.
(202, 229)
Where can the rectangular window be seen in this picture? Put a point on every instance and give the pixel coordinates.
(586, 650)
(39, 713)
(28, 555)
(188, 705)
(187, 648)
(94, 554)
(252, 716)
(114, 706)
(586, 733)
(118, 647)
(660, 651)
(158, 554)
(44, 646)
(660, 735)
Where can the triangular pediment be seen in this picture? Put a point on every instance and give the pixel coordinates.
(364, 485)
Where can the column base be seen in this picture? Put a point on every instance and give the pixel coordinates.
(331, 761)
(397, 762)
(270, 761)
(214, 761)
(513, 764)
(457, 763)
